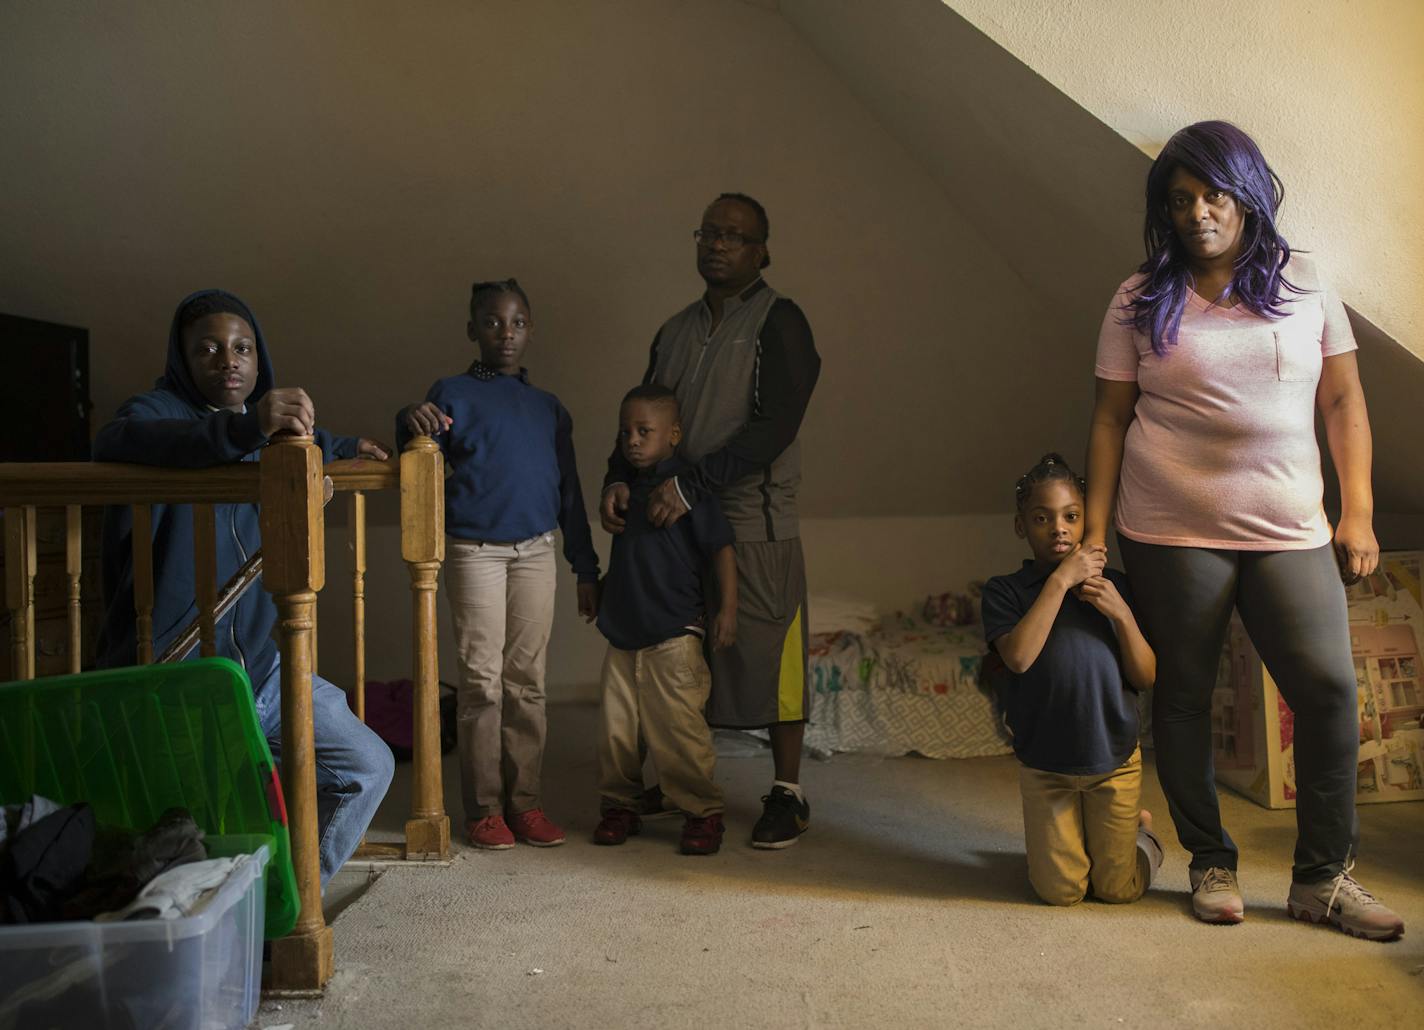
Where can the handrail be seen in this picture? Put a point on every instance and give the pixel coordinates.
(56, 484)
(352, 474)
(291, 485)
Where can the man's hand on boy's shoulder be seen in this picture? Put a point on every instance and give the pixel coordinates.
(588, 596)
(724, 628)
(665, 504)
(286, 409)
(613, 506)
(426, 419)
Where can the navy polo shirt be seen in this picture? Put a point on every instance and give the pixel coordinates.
(653, 591)
(1071, 711)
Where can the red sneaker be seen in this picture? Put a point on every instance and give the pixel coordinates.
(616, 826)
(489, 833)
(534, 827)
(702, 836)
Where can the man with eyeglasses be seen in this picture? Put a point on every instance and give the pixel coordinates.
(742, 362)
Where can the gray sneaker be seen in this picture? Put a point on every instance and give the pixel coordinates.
(1345, 905)
(1216, 897)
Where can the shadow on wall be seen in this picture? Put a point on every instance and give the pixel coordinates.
(1393, 381)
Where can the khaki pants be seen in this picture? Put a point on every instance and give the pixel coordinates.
(1082, 830)
(658, 692)
(502, 603)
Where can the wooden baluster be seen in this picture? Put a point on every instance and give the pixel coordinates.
(293, 549)
(358, 598)
(143, 580)
(20, 587)
(422, 490)
(73, 570)
(205, 576)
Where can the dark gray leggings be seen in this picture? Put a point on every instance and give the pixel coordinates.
(1293, 606)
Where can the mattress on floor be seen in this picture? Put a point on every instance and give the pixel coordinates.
(903, 687)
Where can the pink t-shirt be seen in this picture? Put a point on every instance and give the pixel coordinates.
(1222, 451)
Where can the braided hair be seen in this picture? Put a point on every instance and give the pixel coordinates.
(497, 286)
(1050, 467)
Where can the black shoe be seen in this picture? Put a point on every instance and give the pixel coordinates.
(783, 819)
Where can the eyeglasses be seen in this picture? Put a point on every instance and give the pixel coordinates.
(733, 240)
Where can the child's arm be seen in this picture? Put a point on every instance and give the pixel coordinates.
(573, 519)
(1139, 663)
(724, 623)
(146, 432)
(423, 419)
(1021, 646)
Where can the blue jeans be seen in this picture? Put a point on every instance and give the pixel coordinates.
(353, 765)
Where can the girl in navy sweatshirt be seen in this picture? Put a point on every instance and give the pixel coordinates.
(512, 482)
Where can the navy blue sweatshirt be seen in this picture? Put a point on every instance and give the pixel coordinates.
(510, 451)
(654, 589)
(173, 426)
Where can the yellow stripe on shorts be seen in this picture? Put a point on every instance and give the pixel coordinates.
(791, 686)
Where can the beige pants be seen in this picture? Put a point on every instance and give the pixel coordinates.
(1081, 830)
(659, 691)
(502, 603)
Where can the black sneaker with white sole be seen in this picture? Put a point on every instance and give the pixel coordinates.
(783, 820)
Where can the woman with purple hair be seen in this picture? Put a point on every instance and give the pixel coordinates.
(1212, 362)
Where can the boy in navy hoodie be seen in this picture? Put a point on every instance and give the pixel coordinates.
(215, 403)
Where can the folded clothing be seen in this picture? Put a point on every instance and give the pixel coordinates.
(181, 891)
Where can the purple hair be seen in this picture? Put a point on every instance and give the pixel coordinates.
(1225, 158)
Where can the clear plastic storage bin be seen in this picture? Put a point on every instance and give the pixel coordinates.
(200, 972)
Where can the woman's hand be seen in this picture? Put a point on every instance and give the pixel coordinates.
(1356, 549)
(427, 419)
(1081, 564)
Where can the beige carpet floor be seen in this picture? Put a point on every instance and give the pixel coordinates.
(906, 905)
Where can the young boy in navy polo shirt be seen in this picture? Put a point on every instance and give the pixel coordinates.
(1075, 660)
(653, 612)
(513, 480)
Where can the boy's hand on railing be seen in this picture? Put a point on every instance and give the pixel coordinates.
(427, 419)
(724, 628)
(588, 601)
(372, 449)
(286, 409)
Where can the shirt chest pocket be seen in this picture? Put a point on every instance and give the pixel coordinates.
(1298, 358)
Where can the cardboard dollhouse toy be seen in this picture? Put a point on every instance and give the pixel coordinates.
(1253, 727)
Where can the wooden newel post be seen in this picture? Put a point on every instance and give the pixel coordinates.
(422, 492)
(293, 550)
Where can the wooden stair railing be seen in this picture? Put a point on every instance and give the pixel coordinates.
(291, 485)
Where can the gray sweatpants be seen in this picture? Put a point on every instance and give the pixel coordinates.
(1293, 606)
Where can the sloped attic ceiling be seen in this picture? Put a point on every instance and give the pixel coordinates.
(1055, 188)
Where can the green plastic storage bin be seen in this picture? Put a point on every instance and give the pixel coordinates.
(134, 742)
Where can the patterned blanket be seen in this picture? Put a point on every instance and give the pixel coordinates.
(903, 687)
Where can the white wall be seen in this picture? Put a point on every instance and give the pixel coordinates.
(1332, 90)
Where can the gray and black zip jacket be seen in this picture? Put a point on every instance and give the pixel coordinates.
(743, 391)
(173, 426)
